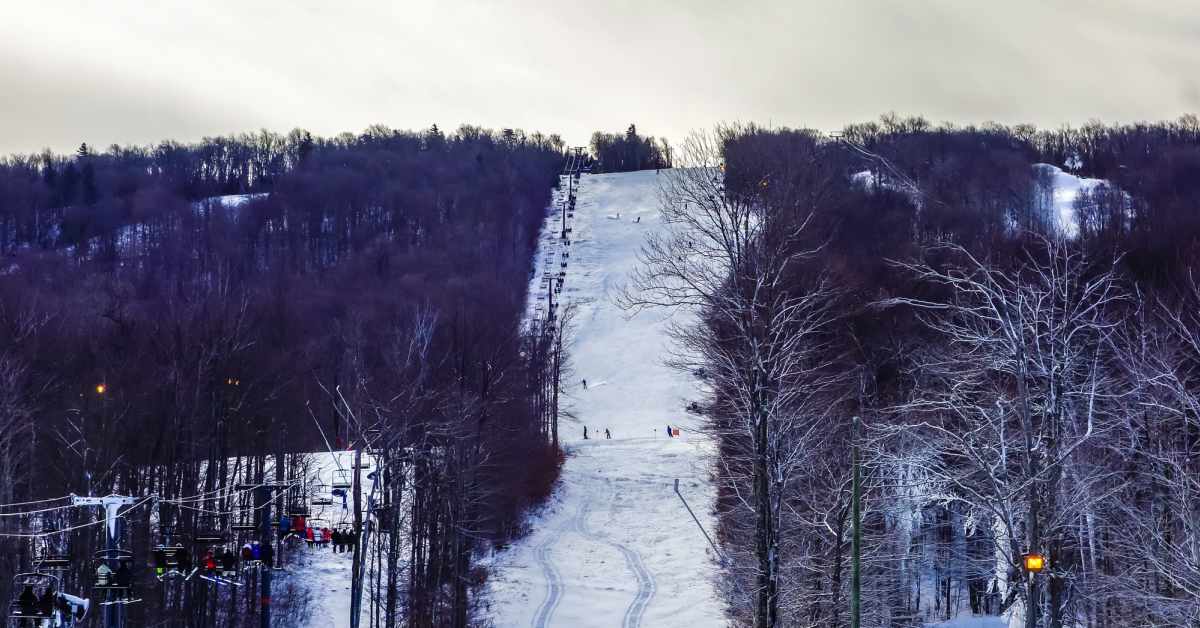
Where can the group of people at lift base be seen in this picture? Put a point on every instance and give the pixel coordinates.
(341, 539)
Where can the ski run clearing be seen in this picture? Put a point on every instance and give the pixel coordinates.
(615, 546)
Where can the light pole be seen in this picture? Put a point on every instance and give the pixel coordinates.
(856, 535)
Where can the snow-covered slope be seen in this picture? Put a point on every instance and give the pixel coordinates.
(323, 576)
(1064, 192)
(616, 546)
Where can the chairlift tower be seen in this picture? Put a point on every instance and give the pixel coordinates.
(262, 503)
(114, 614)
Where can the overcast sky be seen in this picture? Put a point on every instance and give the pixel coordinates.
(138, 72)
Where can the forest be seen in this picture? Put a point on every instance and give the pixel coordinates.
(897, 330)
(616, 152)
(182, 320)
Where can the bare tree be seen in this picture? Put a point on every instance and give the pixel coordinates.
(735, 258)
(1011, 400)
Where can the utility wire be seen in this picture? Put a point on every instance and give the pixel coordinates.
(39, 535)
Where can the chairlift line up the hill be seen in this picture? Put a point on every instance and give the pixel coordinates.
(209, 547)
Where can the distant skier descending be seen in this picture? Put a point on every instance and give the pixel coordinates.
(669, 431)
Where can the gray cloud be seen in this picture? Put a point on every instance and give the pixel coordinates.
(125, 72)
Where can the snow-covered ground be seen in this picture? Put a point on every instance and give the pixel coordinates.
(615, 546)
(972, 622)
(1065, 191)
(323, 575)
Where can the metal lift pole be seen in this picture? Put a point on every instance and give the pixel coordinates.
(264, 497)
(114, 614)
(856, 539)
(356, 568)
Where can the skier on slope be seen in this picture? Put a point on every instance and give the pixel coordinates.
(607, 434)
(669, 434)
(585, 384)
(585, 433)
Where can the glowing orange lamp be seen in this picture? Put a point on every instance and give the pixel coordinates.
(1034, 562)
(100, 388)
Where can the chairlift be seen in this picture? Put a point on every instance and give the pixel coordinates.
(209, 536)
(56, 561)
(169, 558)
(106, 579)
(55, 555)
(245, 521)
(297, 508)
(30, 594)
(341, 479)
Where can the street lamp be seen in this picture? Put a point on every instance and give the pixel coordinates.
(101, 388)
(1034, 562)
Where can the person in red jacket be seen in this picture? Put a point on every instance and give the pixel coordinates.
(326, 536)
(308, 536)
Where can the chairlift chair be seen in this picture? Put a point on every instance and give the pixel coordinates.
(106, 578)
(56, 561)
(26, 607)
(244, 527)
(341, 479)
(209, 536)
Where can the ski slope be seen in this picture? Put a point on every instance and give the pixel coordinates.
(615, 547)
(321, 577)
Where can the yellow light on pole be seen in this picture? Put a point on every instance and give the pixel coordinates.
(100, 389)
(1034, 562)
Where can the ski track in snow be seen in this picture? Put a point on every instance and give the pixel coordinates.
(554, 582)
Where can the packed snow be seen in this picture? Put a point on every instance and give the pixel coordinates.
(1065, 189)
(322, 575)
(615, 546)
(972, 622)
